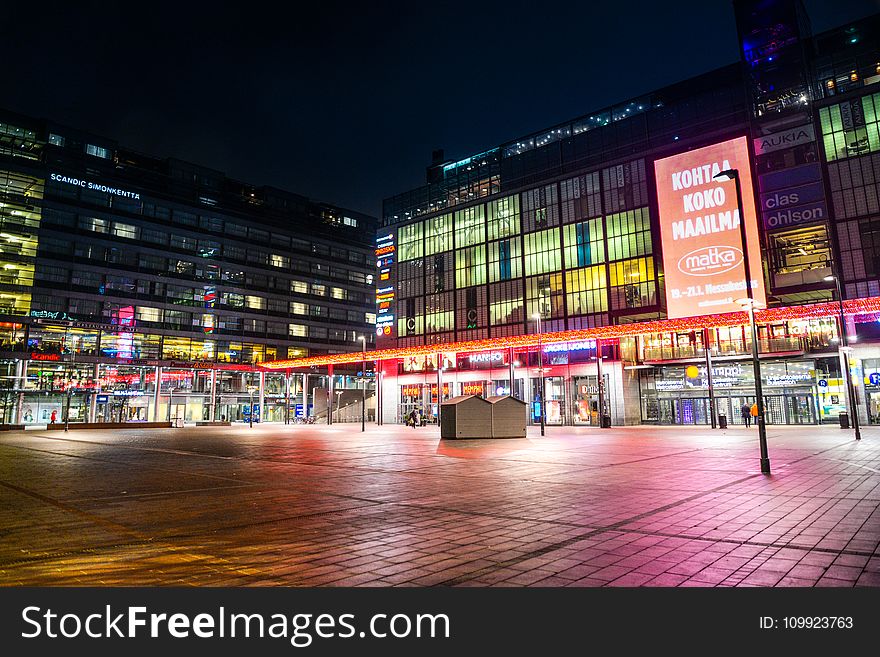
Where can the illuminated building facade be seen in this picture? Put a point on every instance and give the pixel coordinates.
(568, 224)
(120, 270)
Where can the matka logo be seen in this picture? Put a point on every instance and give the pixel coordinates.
(710, 260)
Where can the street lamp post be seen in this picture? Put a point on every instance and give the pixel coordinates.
(363, 340)
(756, 363)
(845, 349)
(338, 401)
(537, 317)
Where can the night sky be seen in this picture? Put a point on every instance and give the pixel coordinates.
(344, 102)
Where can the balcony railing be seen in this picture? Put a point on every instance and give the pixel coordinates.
(728, 348)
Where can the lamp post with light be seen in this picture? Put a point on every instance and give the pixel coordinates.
(845, 349)
(363, 340)
(749, 303)
(537, 317)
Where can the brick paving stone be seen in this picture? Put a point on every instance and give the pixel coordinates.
(321, 506)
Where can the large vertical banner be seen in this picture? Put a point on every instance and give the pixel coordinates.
(700, 230)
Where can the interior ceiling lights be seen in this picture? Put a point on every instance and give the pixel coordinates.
(869, 306)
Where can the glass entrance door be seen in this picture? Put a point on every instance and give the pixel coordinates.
(691, 411)
(801, 409)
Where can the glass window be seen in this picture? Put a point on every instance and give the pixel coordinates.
(625, 186)
(214, 224)
(97, 151)
(544, 296)
(185, 218)
(184, 242)
(128, 231)
(506, 303)
(154, 236)
(300, 287)
(503, 217)
(581, 198)
(258, 234)
(255, 302)
(298, 308)
(258, 256)
(277, 305)
(543, 252)
(632, 283)
(438, 234)
(439, 314)
(505, 260)
(851, 128)
(298, 330)
(540, 208)
(277, 260)
(147, 262)
(583, 244)
(147, 314)
(236, 229)
(586, 290)
(409, 242)
(470, 226)
(470, 266)
(629, 234)
(94, 224)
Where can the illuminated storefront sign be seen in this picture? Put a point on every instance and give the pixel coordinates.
(87, 184)
(700, 230)
(570, 346)
(48, 314)
(472, 388)
(49, 357)
(385, 295)
(787, 139)
(489, 357)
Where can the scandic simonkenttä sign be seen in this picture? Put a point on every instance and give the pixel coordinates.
(700, 230)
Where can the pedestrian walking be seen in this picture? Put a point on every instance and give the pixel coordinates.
(746, 413)
(53, 417)
(753, 411)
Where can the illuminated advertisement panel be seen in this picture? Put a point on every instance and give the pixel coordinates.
(700, 230)
(385, 254)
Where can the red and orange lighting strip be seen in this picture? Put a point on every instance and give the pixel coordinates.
(868, 306)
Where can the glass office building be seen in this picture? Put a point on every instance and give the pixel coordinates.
(564, 224)
(137, 288)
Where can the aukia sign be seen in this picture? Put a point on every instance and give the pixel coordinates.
(700, 230)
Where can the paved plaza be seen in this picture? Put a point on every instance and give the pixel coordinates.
(305, 505)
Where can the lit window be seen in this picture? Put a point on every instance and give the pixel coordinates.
(56, 140)
(97, 151)
(279, 261)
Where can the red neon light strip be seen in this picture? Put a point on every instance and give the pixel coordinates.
(866, 306)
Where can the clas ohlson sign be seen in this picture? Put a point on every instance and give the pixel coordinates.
(88, 184)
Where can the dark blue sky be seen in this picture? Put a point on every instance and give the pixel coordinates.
(342, 102)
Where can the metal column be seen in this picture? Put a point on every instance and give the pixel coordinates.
(708, 353)
(156, 395)
(305, 396)
(287, 396)
(260, 402)
(213, 395)
(20, 384)
(329, 394)
(510, 386)
(93, 402)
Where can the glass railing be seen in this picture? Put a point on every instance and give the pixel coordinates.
(726, 348)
